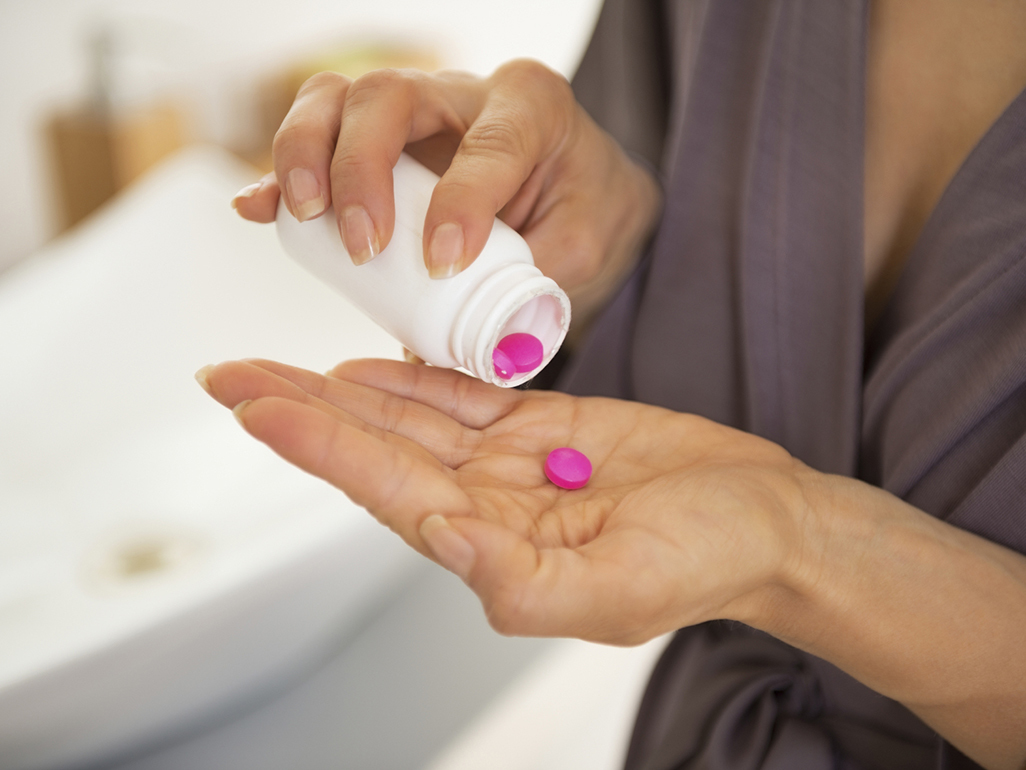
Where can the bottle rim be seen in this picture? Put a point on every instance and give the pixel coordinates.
(522, 289)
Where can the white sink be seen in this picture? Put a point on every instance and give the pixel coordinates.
(157, 565)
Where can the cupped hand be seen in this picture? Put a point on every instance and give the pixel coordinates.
(515, 144)
(683, 520)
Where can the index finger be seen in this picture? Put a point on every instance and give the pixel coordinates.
(399, 488)
(466, 399)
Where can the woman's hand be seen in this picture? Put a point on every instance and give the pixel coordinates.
(516, 145)
(683, 520)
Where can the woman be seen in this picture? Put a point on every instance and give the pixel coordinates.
(810, 454)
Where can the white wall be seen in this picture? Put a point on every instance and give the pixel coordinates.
(213, 48)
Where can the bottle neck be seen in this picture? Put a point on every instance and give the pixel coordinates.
(516, 298)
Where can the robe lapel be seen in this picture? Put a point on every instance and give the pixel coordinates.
(752, 310)
(945, 395)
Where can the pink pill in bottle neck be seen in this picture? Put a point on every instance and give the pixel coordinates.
(524, 350)
(567, 468)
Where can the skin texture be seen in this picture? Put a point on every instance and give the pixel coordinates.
(939, 74)
(683, 520)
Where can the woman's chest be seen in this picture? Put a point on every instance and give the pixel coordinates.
(938, 74)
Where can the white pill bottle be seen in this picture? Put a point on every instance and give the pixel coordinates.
(451, 322)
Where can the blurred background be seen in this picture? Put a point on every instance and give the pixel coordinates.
(172, 595)
(153, 74)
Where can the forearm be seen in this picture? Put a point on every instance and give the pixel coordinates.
(923, 612)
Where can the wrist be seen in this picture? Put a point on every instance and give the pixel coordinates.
(919, 611)
(829, 529)
(805, 533)
(891, 594)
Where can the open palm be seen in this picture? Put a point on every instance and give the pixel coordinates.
(683, 520)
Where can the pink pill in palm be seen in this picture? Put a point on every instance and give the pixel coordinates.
(567, 468)
(524, 350)
(504, 366)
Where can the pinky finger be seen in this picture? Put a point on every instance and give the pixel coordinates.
(258, 202)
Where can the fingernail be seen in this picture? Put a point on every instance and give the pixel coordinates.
(445, 251)
(201, 378)
(358, 234)
(450, 547)
(239, 409)
(305, 194)
(246, 192)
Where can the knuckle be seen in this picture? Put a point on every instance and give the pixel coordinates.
(529, 69)
(323, 81)
(349, 163)
(295, 131)
(537, 79)
(543, 93)
(397, 83)
(501, 138)
(315, 114)
(294, 127)
(462, 190)
(303, 134)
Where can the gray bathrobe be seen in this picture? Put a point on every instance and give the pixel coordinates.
(748, 308)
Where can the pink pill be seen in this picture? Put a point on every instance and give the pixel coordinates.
(504, 366)
(525, 350)
(567, 468)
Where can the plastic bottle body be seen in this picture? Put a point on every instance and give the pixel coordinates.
(454, 322)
